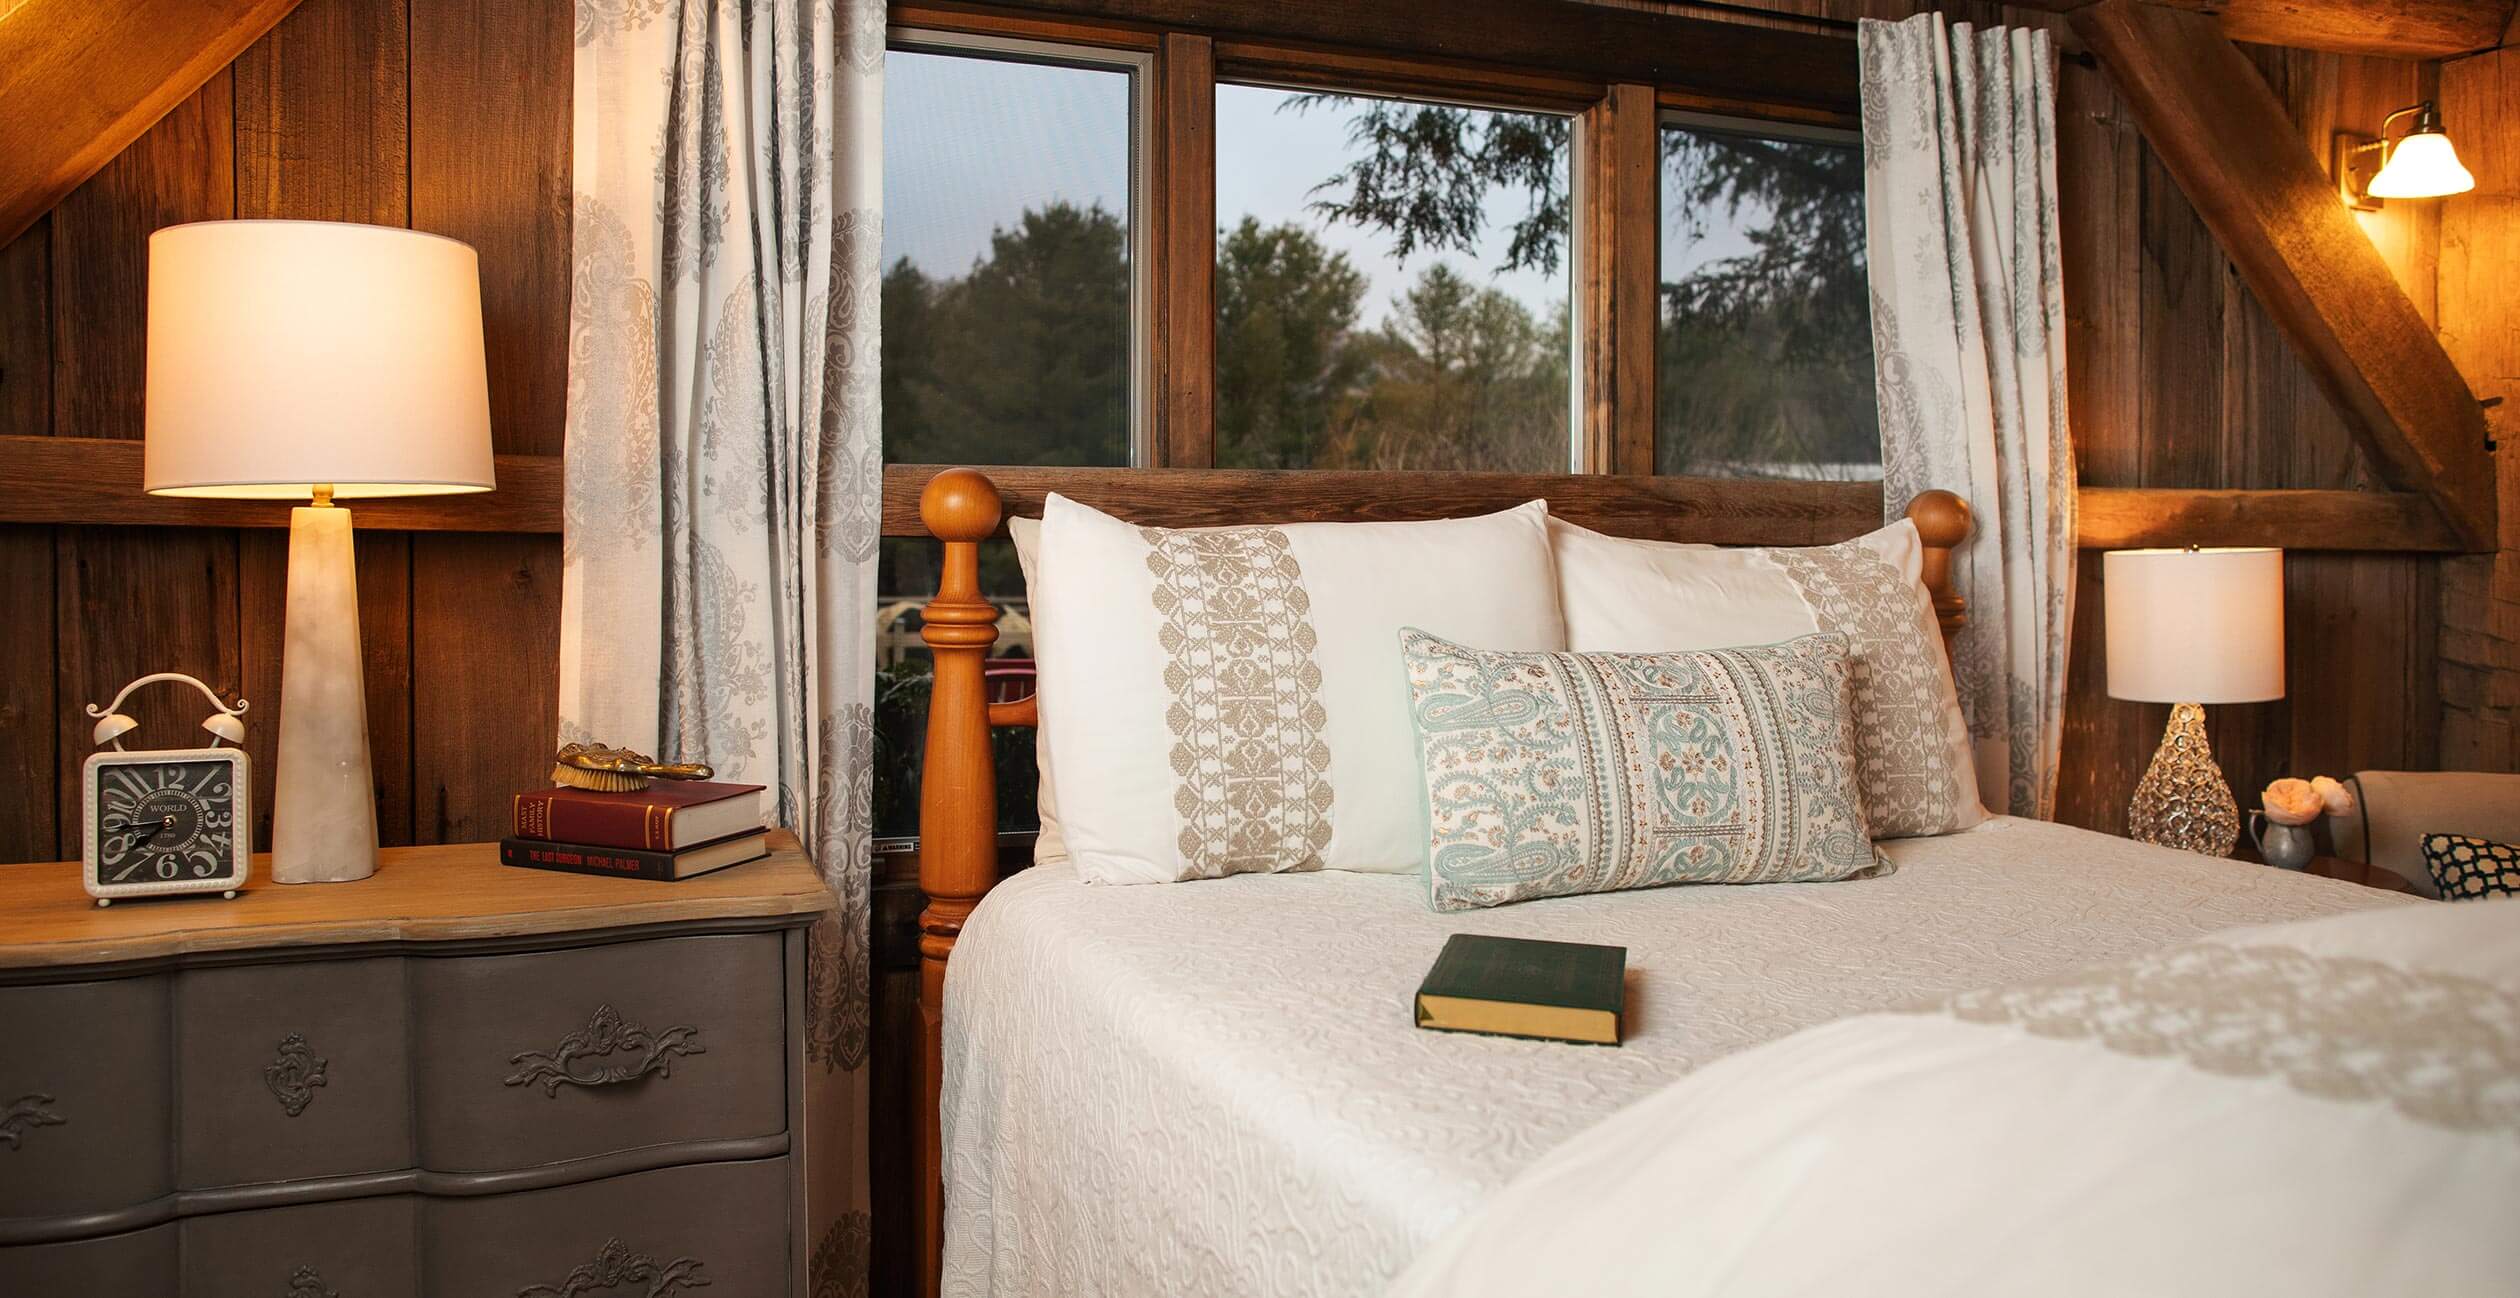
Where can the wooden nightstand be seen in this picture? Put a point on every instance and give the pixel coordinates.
(2370, 876)
(489, 1076)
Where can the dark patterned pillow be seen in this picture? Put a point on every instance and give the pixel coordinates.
(2467, 867)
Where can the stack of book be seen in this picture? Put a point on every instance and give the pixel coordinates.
(672, 829)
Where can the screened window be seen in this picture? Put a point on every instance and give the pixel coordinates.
(1008, 205)
(1392, 284)
(1764, 355)
(1010, 332)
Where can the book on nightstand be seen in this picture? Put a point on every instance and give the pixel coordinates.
(632, 863)
(666, 816)
(1524, 987)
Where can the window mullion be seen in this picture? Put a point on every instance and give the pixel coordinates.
(1618, 200)
(1182, 151)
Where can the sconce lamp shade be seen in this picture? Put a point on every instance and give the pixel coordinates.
(2195, 626)
(2422, 165)
(284, 355)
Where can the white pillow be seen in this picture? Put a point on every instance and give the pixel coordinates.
(1232, 699)
(1048, 845)
(1912, 751)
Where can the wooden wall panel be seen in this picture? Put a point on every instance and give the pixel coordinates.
(490, 165)
(360, 110)
(180, 170)
(485, 641)
(129, 602)
(2480, 325)
(29, 710)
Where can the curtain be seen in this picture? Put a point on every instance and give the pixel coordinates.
(1968, 310)
(724, 459)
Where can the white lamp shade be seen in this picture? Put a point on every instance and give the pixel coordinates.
(2422, 165)
(288, 354)
(2195, 626)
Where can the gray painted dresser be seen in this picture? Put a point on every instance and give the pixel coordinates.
(453, 1078)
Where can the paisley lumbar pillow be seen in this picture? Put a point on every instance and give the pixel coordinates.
(1912, 749)
(1555, 773)
(1226, 701)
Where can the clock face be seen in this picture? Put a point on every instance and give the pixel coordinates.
(166, 822)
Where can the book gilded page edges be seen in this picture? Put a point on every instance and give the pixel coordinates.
(1513, 1019)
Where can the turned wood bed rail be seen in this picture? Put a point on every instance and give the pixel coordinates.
(958, 853)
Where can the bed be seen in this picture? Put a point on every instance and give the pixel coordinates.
(1217, 1089)
(1128, 1110)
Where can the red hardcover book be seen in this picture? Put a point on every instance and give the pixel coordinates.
(664, 816)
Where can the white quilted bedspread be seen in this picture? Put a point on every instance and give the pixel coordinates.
(1215, 1088)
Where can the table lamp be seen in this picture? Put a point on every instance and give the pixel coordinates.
(319, 361)
(2187, 628)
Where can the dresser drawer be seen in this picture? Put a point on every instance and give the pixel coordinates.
(83, 1097)
(134, 1263)
(543, 1057)
(360, 1248)
(716, 1228)
(292, 1070)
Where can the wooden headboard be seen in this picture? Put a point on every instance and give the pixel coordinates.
(958, 856)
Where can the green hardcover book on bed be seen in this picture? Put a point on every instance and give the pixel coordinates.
(1522, 987)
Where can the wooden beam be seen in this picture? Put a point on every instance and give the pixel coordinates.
(97, 480)
(1725, 511)
(2120, 518)
(84, 79)
(1729, 60)
(1736, 511)
(2406, 29)
(1619, 207)
(2225, 139)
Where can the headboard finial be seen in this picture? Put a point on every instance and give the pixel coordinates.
(960, 505)
(1941, 518)
(1942, 523)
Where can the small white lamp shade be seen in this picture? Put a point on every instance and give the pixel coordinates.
(284, 355)
(2423, 165)
(2195, 626)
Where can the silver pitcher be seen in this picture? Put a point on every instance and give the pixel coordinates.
(2286, 847)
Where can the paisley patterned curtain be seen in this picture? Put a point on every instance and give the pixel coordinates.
(724, 458)
(1968, 306)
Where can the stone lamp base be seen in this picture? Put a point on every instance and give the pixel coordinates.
(323, 816)
(2183, 800)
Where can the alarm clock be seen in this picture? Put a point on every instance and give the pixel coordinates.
(162, 822)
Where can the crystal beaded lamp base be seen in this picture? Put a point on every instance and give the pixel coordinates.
(2183, 800)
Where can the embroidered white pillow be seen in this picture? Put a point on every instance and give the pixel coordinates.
(1912, 748)
(1049, 846)
(1231, 700)
(1551, 774)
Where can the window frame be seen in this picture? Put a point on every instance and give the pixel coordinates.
(1139, 66)
(1614, 171)
(1253, 68)
(1693, 117)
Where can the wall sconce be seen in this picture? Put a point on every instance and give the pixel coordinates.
(2421, 165)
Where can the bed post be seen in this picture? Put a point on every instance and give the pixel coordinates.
(957, 802)
(1942, 522)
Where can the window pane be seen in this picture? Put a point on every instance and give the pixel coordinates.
(905, 578)
(1006, 254)
(1392, 282)
(1766, 365)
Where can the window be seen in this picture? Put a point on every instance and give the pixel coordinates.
(1009, 330)
(1392, 284)
(1012, 333)
(1764, 356)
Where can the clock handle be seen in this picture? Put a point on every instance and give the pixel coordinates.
(222, 722)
